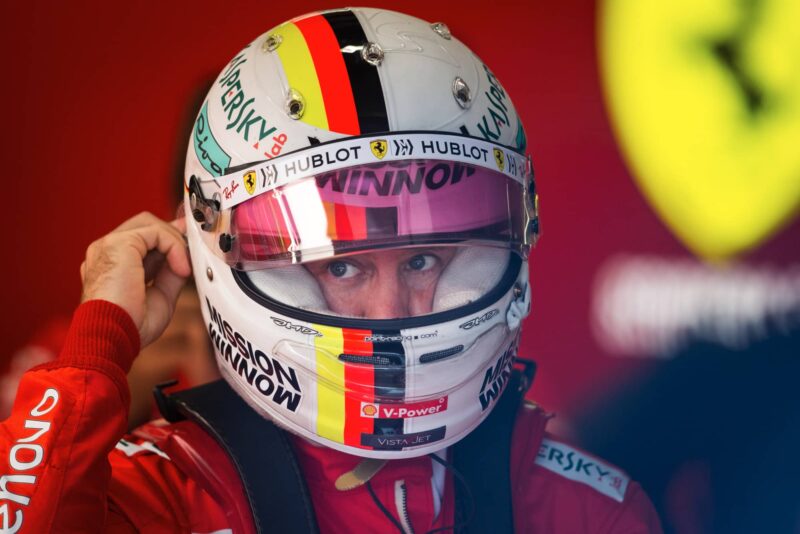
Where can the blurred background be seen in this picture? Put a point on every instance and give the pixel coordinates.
(666, 286)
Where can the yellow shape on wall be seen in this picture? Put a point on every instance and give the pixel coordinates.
(705, 100)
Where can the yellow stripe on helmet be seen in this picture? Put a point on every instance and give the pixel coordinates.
(301, 74)
(330, 386)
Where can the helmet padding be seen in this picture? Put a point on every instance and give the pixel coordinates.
(471, 274)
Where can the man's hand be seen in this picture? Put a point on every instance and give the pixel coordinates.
(141, 267)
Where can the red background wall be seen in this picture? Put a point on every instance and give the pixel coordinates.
(96, 102)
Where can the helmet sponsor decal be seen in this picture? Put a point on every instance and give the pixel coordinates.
(273, 379)
(403, 411)
(393, 182)
(335, 156)
(249, 180)
(476, 321)
(499, 159)
(398, 442)
(378, 148)
(496, 378)
(302, 329)
(206, 148)
(495, 118)
(241, 113)
(298, 167)
(383, 337)
(403, 147)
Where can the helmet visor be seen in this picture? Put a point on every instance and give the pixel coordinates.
(373, 206)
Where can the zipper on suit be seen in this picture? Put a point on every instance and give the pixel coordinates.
(401, 503)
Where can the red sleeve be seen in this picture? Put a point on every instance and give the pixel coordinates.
(67, 417)
(559, 488)
(637, 515)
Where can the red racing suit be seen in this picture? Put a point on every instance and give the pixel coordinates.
(65, 468)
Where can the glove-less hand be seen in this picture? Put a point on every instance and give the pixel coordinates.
(141, 267)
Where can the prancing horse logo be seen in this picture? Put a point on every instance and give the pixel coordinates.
(249, 180)
(499, 158)
(379, 148)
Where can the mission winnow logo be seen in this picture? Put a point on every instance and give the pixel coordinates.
(273, 379)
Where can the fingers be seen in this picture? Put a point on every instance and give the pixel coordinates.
(160, 300)
(164, 239)
(180, 224)
(144, 218)
(141, 267)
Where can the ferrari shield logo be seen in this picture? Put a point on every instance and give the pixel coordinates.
(499, 158)
(249, 180)
(379, 148)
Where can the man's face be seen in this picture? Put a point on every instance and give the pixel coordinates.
(389, 284)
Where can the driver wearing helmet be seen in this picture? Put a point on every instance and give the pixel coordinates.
(360, 208)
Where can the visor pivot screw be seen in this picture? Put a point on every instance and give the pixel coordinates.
(442, 29)
(225, 242)
(271, 43)
(209, 274)
(372, 53)
(517, 291)
(462, 93)
(295, 105)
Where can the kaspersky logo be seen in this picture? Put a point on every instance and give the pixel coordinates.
(403, 411)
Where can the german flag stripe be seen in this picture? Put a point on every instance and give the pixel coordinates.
(334, 81)
(360, 382)
(331, 382)
(342, 387)
(390, 382)
(301, 74)
(364, 79)
(358, 221)
(381, 222)
(330, 215)
(351, 222)
(344, 229)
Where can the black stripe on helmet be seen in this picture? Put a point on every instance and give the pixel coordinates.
(390, 381)
(364, 79)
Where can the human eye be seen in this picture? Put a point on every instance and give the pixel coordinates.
(342, 269)
(422, 262)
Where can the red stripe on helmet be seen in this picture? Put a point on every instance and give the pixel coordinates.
(340, 107)
(359, 382)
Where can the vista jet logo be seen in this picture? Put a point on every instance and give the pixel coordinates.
(403, 411)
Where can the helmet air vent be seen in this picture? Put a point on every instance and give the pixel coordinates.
(440, 354)
(378, 358)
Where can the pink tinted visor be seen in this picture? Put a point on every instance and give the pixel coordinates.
(374, 206)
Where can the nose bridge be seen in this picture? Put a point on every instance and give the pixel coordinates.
(388, 296)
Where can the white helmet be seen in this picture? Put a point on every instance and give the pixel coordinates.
(348, 131)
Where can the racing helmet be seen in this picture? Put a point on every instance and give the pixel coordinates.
(341, 133)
